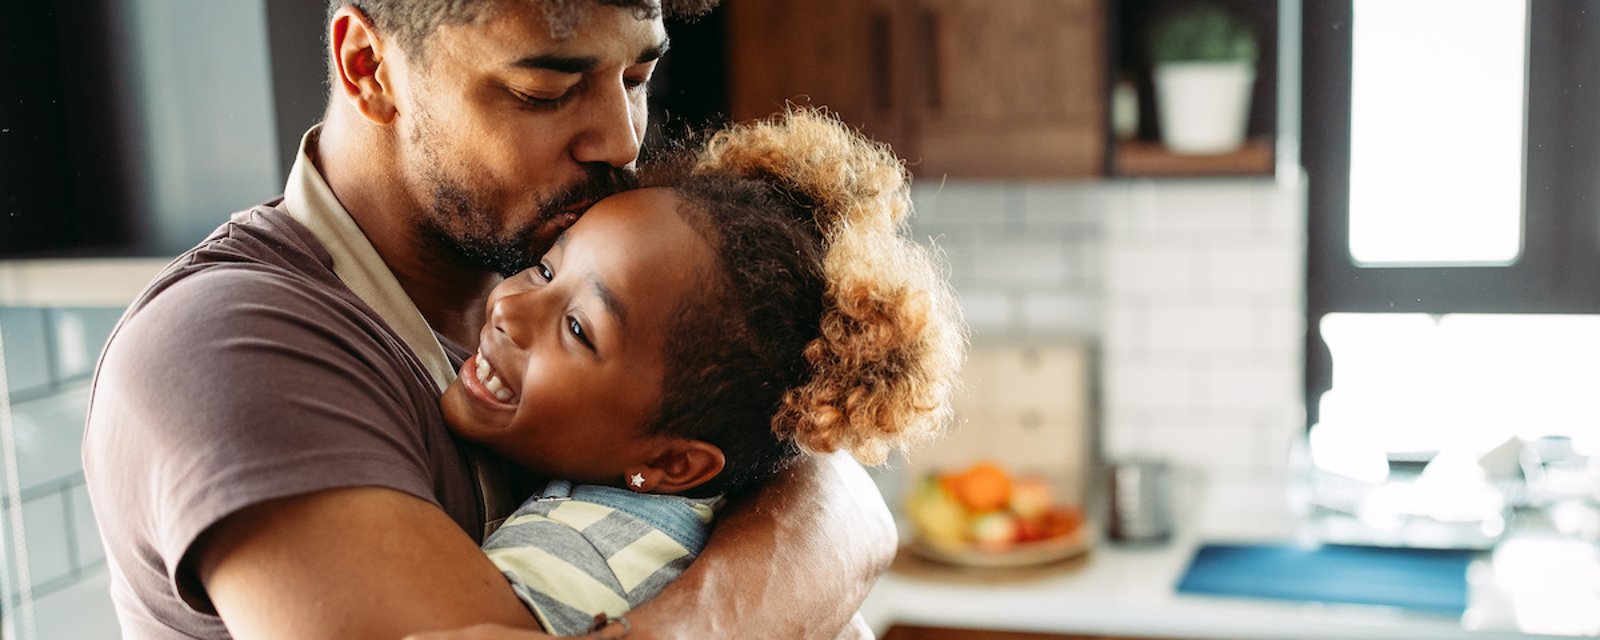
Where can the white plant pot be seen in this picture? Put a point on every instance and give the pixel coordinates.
(1204, 106)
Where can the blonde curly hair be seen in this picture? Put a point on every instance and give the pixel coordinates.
(829, 323)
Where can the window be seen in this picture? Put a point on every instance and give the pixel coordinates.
(1421, 192)
(1452, 149)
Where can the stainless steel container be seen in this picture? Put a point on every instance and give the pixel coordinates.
(1140, 501)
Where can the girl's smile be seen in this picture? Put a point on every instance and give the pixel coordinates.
(486, 385)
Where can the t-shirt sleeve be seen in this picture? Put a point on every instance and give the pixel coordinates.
(235, 387)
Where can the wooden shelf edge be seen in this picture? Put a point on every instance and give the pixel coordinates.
(1144, 158)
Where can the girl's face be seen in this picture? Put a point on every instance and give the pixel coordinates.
(570, 364)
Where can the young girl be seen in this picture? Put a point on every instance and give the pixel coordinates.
(756, 300)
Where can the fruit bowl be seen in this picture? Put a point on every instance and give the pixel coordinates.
(1021, 554)
(985, 517)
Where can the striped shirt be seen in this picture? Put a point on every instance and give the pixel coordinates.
(573, 552)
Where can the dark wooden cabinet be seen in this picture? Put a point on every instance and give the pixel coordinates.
(1013, 88)
(845, 55)
(960, 88)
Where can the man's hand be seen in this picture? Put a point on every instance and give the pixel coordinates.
(350, 563)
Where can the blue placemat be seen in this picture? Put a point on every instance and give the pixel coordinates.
(1425, 579)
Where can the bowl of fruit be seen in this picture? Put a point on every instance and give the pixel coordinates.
(983, 516)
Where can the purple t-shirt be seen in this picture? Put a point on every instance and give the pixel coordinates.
(247, 371)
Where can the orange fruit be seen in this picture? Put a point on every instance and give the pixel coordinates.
(984, 487)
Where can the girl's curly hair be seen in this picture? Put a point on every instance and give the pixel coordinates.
(826, 321)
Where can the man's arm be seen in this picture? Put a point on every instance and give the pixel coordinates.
(350, 563)
(794, 561)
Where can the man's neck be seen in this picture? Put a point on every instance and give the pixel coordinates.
(449, 296)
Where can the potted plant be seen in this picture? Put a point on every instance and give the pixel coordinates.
(1204, 63)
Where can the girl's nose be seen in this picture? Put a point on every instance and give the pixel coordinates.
(516, 316)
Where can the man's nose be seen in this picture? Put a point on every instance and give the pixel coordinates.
(615, 127)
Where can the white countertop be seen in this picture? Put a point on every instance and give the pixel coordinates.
(1130, 591)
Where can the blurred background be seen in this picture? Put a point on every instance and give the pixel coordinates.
(1288, 306)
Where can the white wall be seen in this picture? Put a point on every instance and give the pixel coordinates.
(1193, 291)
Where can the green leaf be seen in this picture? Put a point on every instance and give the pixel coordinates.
(1201, 32)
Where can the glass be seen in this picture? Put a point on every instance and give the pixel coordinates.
(1437, 132)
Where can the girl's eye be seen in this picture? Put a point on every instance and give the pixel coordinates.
(578, 332)
(542, 272)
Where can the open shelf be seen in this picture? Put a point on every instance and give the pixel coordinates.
(1143, 155)
(1144, 158)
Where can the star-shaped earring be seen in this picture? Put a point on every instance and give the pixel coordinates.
(637, 480)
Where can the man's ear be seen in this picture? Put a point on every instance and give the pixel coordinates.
(359, 75)
(683, 464)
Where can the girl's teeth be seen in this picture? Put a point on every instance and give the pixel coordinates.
(492, 382)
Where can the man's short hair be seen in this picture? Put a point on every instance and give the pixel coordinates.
(411, 21)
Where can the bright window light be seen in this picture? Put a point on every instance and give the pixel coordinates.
(1413, 383)
(1437, 131)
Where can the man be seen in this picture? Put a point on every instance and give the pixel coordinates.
(264, 452)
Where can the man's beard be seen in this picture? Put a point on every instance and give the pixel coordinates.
(460, 228)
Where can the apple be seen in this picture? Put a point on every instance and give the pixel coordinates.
(994, 531)
(1031, 529)
(1030, 497)
(1060, 521)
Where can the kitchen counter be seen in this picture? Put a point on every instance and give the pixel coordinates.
(1129, 591)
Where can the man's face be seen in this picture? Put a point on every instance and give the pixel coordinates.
(507, 134)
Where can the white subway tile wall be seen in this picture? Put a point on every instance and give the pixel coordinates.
(50, 354)
(1193, 291)
(28, 366)
(49, 549)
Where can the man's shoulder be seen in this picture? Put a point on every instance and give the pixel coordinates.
(259, 244)
(260, 262)
(264, 277)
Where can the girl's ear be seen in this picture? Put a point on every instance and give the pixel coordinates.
(682, 465)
